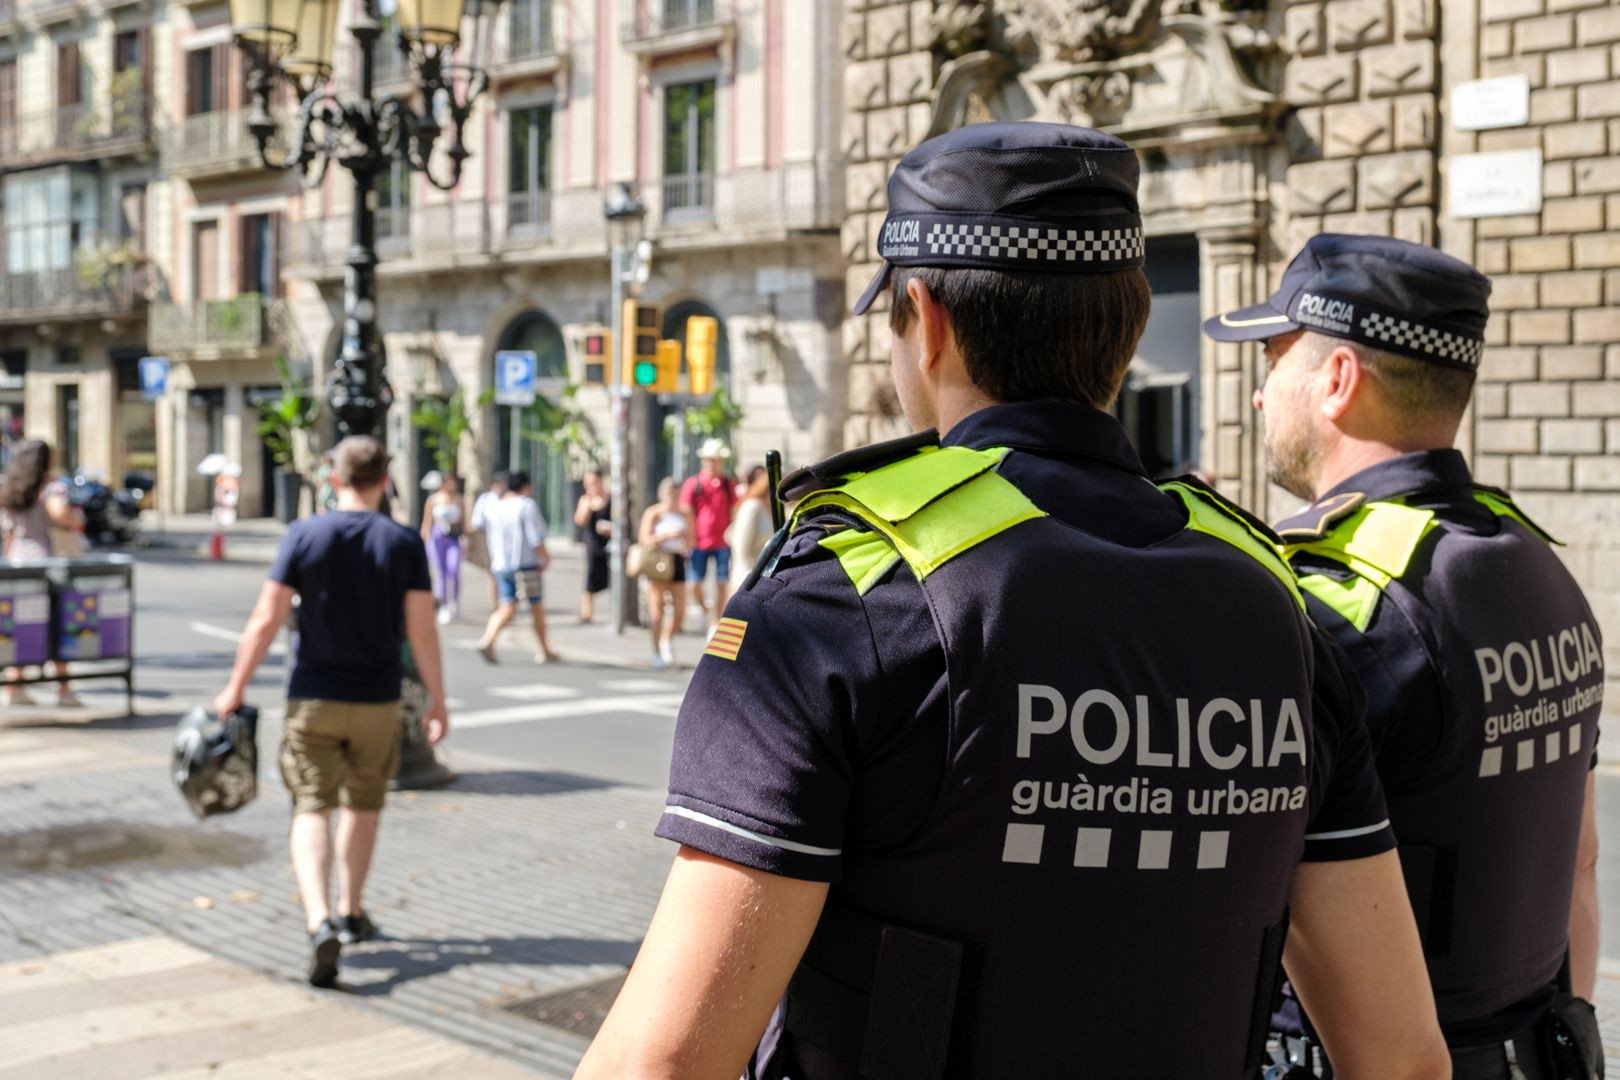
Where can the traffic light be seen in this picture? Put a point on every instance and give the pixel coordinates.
(669, 368)
(639, 359)
(597, 344)
(702, 333)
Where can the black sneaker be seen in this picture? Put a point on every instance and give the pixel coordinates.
(353, 929)
(324, 946)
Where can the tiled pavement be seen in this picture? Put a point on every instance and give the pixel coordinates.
(506, 885)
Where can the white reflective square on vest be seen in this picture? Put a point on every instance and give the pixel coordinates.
(1490, 762)
(1574, 738)
(1555, 746)
(1212, 850)
(1023, 844)
(1154, 854)
(1527, 755)
(1091, 847)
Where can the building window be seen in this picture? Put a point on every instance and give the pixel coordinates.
(529, 32)
(48, 216)
(394, 203)
(206, 74)
(260, 271)
(67, 420)
(1159, 402)
(205, 260)
(689, 146)
(132, 215)
(8, 107)
(71, 90)
(528, 167)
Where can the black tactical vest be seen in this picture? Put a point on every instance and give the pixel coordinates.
(1101, 887)
(1488, 837)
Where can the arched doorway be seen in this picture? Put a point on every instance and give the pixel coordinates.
(662, 461)
(536, 332)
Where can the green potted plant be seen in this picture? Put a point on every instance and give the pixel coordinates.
(281, 422)
(564, 428)
(444, 424)
(716, 418)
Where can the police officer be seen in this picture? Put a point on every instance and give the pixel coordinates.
(1480, 658)
(1007, 763)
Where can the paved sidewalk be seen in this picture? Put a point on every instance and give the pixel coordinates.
(154, 1007)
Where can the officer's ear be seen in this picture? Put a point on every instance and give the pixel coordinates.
(932, 323)
(1342, 377)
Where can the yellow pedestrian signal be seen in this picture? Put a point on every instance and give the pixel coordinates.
(597, 346)
(669, 368)
(702, 334)
(639, 355)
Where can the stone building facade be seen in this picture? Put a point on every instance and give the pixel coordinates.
(1260, 124)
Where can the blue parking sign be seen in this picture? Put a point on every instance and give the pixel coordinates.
(154, 371)
(514, 377)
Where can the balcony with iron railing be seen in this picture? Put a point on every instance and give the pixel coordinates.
(408, 239)
(525, 43)
(672, 25)
(83, 291)
(795, 197)
(208, 327)
(105, 127)
(46, 12)
(389, 66)
(213, 144)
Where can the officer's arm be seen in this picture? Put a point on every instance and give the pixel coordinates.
(1356, 963)
(716, 961)
(1583, 913)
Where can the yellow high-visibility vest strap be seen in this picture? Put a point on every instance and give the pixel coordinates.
(1208, 513)
(1355, 598)
(929, 508)
(1500, 504)
(865, 556)
(1377, 541)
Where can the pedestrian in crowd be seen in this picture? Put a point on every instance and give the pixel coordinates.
(325, 493)
(443, 519)
(1432, 582)
(516, 533)
(666, 526)
(594, 517)
(1009, 740)
(751, 529)
(710, 497)
(363, 591)
(37, 521)
(477, 540)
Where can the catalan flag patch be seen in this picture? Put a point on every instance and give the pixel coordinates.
(727, 639)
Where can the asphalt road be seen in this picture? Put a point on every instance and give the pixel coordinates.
(598, 714)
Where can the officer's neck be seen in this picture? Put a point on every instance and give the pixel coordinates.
(952, 405)
(1348, 456)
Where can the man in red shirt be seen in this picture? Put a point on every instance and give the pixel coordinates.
(710, 497)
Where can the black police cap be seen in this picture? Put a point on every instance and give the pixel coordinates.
(1013, 196)
(1387, 294)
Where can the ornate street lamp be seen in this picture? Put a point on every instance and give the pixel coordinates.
(291, 43)
(625, 213)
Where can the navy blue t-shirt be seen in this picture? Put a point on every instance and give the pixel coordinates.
(351, 569)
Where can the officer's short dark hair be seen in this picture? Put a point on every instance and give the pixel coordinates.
(517, 480)
(360, 462)
(1028, 336)
(1418, 391)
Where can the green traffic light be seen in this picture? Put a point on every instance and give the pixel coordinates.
(646, 373)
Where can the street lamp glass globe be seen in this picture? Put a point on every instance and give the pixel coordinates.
(272, 24)
(311, 54)
(431, 22)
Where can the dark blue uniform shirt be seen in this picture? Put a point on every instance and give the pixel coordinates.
(1487, 811)
(835, 731)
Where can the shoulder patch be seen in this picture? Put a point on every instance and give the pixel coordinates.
(1313, 522)
(1209, 513)
(1376, 541)
(1501, 504)
(801, 482)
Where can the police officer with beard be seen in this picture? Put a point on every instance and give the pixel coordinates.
(1479, 655)
(1010, 763)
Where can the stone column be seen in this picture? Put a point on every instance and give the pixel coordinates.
(1231, 275)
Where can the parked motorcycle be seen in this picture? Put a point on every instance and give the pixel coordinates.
(109, 516)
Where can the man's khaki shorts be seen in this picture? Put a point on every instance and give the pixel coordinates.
(336, 752)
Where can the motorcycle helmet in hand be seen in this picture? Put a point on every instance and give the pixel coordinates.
(216, 761)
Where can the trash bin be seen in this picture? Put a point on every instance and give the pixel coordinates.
(25, 616)
(94, 609)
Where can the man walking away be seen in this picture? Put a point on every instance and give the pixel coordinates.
(363, 589)
(478, 521)
(516, 534)
(710, 497)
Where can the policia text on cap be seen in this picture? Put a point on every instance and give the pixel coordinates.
(1480, 658)
(1013, 763)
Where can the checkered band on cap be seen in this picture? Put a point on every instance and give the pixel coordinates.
(1035, 243)
(1403, 335)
